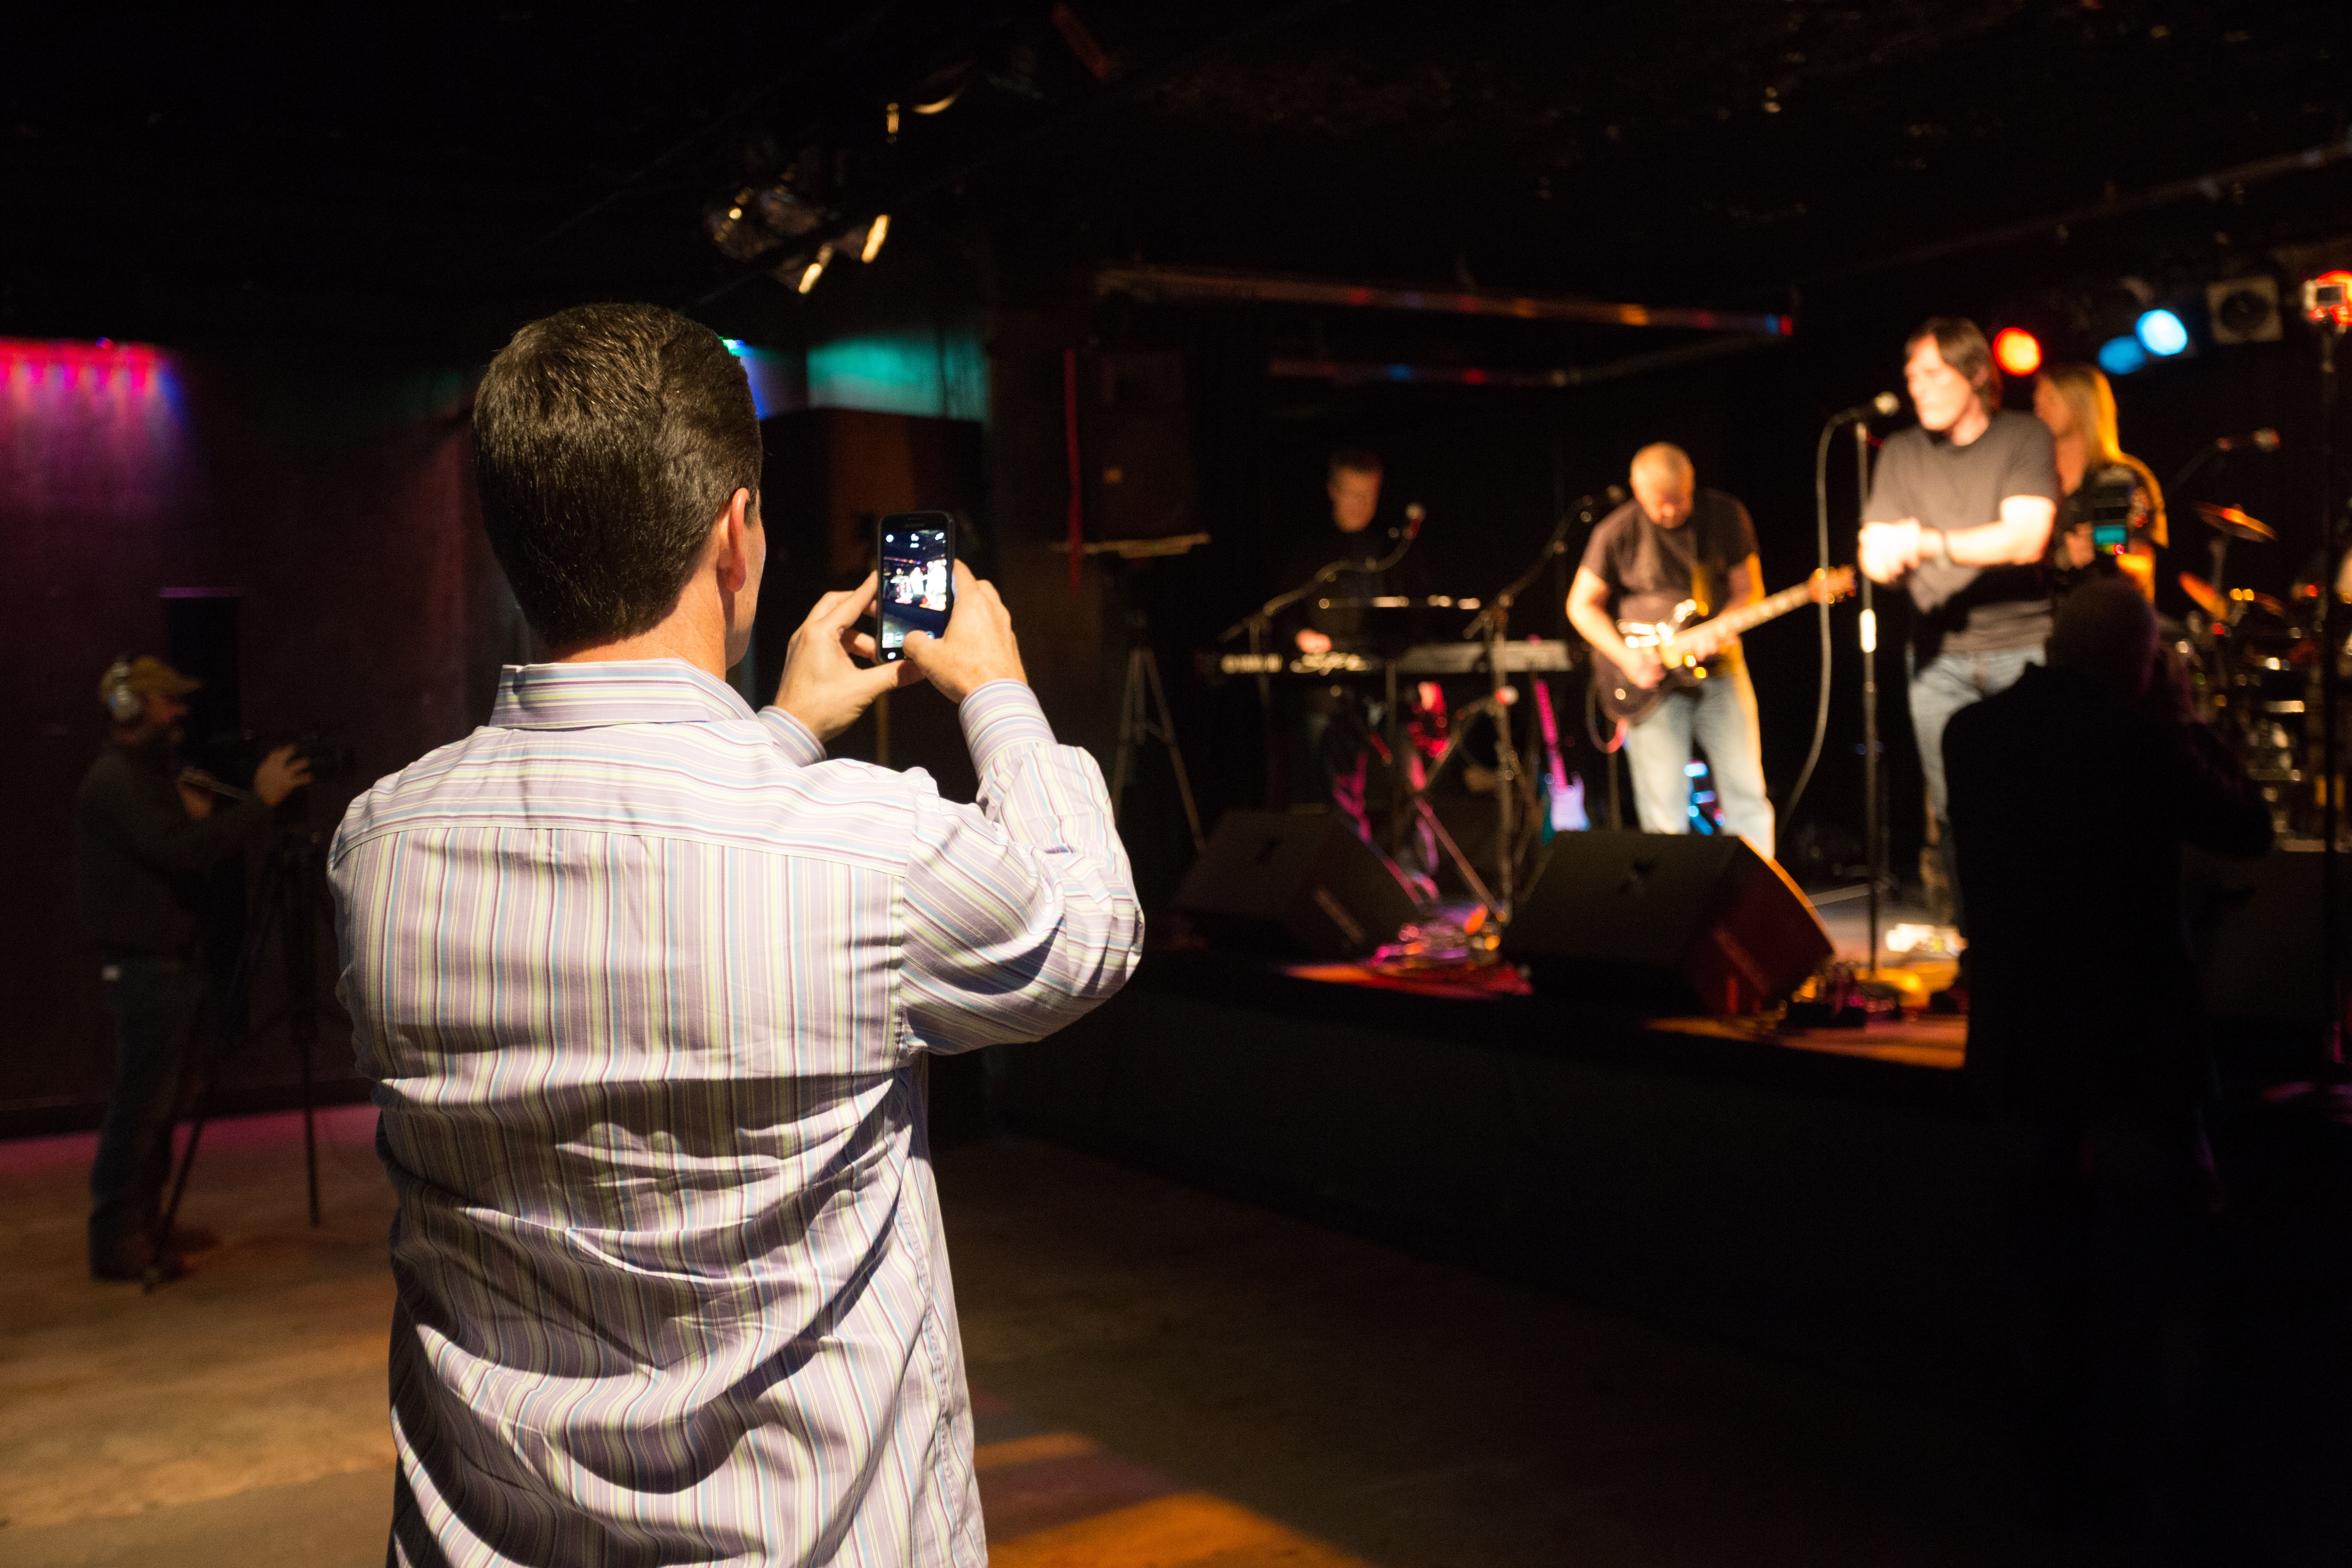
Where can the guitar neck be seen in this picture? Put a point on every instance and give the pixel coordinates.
(1731, 623)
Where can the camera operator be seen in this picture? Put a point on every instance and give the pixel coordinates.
(142, 841)
(2074, 791)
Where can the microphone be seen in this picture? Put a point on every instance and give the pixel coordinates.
(1884, 403)
(2260, 441)
(1414, 515)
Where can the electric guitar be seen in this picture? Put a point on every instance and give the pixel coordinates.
(1684, 649)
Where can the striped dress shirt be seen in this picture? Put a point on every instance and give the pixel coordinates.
(644, 986)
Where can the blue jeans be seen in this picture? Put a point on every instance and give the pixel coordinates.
(1940, 689)
(1720, 715)
(155, 1002)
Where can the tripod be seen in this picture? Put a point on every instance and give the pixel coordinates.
(1143, 715)
(293, 878)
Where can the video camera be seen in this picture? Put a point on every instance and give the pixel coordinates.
(2111, 506)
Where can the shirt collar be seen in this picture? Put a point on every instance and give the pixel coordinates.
(616, 691)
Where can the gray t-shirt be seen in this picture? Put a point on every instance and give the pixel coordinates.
(1650, 570)
(1969, 609)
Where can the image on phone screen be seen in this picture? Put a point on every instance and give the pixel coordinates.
(914, 585)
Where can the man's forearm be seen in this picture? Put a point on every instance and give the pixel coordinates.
(1594, 624)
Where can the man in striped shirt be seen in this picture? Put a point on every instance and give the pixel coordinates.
(647, 984)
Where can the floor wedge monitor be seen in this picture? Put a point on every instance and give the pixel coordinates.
(1293, 882)
(1671, 924)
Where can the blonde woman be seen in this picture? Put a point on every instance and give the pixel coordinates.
(2100, 483)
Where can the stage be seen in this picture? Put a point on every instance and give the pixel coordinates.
(1831, 1194)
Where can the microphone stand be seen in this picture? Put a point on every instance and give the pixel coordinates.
(2330, 333)
(1492, 624)
(1260, 621)
(1874, 831)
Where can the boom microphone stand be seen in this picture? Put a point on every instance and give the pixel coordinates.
(1493, 624)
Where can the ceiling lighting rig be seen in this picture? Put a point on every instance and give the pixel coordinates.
(797, 220)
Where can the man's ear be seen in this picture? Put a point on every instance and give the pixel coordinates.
(732, 538)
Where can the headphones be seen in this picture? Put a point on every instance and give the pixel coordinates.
(122, 705)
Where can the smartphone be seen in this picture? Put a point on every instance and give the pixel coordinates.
(915, 551)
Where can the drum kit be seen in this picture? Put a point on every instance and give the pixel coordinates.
(2254, 663)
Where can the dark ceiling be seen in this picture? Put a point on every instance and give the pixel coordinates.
(385, 170)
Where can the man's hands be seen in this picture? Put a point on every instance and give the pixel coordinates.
(1641, 666)
(826, 692)
(820, 686)
(1888, 550)
(978, 646)
(281, 772)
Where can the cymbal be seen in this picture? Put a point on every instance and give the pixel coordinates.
(2234, 522)
(2201, 593)
(2267, 603)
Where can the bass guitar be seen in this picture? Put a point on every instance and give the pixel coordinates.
(1685, 649)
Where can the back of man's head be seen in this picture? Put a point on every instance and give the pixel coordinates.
(607, 440)
(2106, 636)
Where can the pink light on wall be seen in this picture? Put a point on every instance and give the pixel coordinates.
(94, 429)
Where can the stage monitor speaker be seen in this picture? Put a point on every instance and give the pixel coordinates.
(1293, 882)
(1665, 922)
(2255, 927)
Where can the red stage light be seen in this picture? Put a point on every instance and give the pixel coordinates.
(2017, 351)
(2328, 298)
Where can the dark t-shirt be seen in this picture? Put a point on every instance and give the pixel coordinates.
(1651, 569)
(139, 857)
(1333, 608)
(2069, 814)
(1969, 609)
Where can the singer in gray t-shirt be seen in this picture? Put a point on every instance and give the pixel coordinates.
(1959, 513)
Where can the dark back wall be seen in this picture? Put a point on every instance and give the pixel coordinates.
(336, 499)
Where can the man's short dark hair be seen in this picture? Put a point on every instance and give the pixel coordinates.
(608, 438)
(1962, 344)
(1355, 460)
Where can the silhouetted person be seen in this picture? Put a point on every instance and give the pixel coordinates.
(2072, 794)
(142, 841)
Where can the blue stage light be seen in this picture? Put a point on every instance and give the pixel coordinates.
(2161, 333)
(2121, 356)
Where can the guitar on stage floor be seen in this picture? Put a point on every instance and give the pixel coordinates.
(1685, 649)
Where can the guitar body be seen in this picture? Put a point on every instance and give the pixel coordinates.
(1686, 650)
(1626, 703)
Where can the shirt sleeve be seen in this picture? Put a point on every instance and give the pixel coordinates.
(2033, 467)
(1739, 536)
(1019, 911)
(1598, 550)
(156, 830)
(1890, 488)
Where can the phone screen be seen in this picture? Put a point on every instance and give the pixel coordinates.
(918, 580)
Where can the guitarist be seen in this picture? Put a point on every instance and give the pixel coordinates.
(1672, 542)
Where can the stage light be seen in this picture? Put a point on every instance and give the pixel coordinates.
(2121, 356)
(876, 233)
(2017, 350)
(2162, 333)
(2327, 299)
(814, 270)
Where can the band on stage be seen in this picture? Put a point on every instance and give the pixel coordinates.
(1983, 518)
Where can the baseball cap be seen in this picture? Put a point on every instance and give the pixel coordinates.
(149, 677)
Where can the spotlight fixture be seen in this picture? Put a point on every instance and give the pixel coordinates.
(2244, 310)
(2327, 299)
(2017, 351)
(785, 212)
(876, 233)
(2121, 356)
(814, 270)
(2162, 333)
